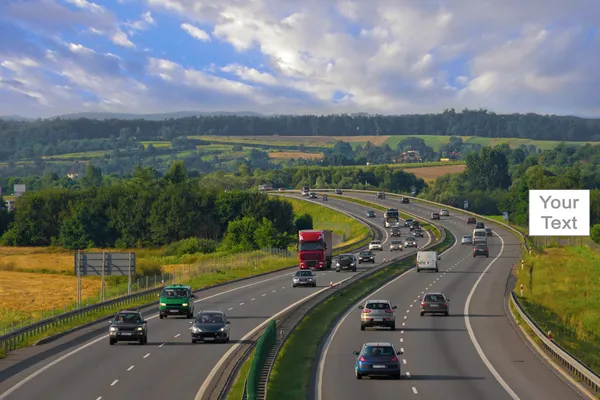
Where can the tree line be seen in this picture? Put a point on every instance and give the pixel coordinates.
(36, 137)
(150, 210)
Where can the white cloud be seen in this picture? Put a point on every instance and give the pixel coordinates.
(195, 32)
(377, 55)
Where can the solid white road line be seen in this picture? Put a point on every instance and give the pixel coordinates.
(321, 367)
(482, 355)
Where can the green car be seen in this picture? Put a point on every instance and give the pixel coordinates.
(176, 300)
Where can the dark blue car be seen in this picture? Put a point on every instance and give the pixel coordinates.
(377, 358)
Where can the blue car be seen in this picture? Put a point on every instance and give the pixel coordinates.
(377, 358)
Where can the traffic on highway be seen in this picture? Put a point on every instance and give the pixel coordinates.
(408, 329)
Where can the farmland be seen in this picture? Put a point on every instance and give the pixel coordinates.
(429, 174)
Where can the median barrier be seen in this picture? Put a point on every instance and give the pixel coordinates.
(263, 347)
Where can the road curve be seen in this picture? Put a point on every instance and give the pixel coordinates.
(169, 363)
(444, 356)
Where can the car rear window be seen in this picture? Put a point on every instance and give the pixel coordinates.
(375, 242)
(378, 306)
(378, 351)
(434, 298)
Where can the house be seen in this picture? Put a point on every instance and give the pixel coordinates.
(410, 156)
(72, 175)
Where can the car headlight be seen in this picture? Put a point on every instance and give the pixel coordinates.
(113, 329)
(310, 279)
(184, 305)
(163, 304)
(352, 265)
(295, 279)
(196, 330)
(338, 264)
(140, 328)
(222, 329)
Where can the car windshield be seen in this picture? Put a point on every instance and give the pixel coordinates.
(209, 319)
(345, 258)
(467, 237)
(366, 253)
(379, 351)
(303, 273)
(410, 239)
(174, 293)
(434, 298)
(312, 246)
(396, 242)
(375, 242)
(128, 318)
(378, 306)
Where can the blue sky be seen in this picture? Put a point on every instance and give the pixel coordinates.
(278, 56)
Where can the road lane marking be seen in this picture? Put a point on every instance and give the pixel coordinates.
(147, 355)
(130, 368)
(229, 309)
(161, 345)
(408, 375)
(252, 299)
(404, 361)
(264, 295)
(401, 340)
(114, 382)
(274, 290)
(415, 390)
(179, 334)
(402, 349)
(241, 304)
(99, 398)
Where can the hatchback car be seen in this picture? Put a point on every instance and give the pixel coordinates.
(377, 358)
(481, 250)
(210, 326)
(346, 261)
(444, 213)
(410, 241)
(471, 220)
(377, 313)
(312, 195)
(396, 245)
(435, 216)
(435, 303)
(304, 277)
(338, 191)
(405, 200)
(396, 231)
(408, 222)
(479, 225)
(128, 326)
(418, 232)
(488, 232)
(467, 239)
(371, 214)
(375, 245)
(366, 256)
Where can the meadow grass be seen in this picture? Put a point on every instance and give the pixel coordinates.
(291, 373)
(564, 297)
(286, 155)
(156, 143)
(273, 140)
(83, 154)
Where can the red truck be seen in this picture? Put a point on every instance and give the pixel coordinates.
(315, 249)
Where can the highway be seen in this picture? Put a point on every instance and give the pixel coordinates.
(480, 356)
(169, 363)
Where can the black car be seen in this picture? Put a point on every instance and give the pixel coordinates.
(128, 326)
(479, 225)
(418, 232)
(346, 261)
(338, 191)
(405, 200)
(371, 214)
(366, 256)
(210, 326)
(381, 195)
(408, 222)
(396, 232)
(481, 250)
(415, 225)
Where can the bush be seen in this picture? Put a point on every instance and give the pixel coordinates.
(304, 221)
(191, 246)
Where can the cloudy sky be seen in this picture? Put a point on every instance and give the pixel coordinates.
(283, 56)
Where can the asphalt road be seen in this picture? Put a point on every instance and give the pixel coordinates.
(169, 363)
(441, 359)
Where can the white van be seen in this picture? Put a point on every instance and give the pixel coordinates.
(479, 236)
(428, 260)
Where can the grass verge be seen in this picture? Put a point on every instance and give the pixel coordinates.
(425, 225)
(564, 297)
(350, 230)
(237, 389)
(291, 373)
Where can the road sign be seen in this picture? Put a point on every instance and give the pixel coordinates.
(505, 215)
(466, 205)
(414, 191)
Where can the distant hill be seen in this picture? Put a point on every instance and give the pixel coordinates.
(157, 117)
(14, 118)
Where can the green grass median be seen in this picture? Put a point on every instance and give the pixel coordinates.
(291, 373)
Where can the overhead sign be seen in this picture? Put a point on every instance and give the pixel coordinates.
(559, 213)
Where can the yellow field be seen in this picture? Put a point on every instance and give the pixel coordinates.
(376, 140)
(39, 292)
(35, 258)
(286, 155)
(429, 174)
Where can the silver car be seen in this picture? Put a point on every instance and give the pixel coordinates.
(375, 245)
(304, 278)
(435, 303)
(377, 313)
(444, 213)
(396, 245)
(467, 239)
(410, 241)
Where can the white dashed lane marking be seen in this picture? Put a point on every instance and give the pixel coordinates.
(415, 390)
(408, 375)
(130, 368)
(179, 334)
(161, 345)
(229, 309)
(274, 290)
(404, 361)
(401, 340)
(147, 355)
(252, 299)
(114, 382)
(241, 304)
(264, 295)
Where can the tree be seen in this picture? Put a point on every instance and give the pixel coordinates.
(303, 221)
(92, 177)
(177, 174)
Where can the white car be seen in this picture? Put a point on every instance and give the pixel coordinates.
(444, 213)
(410, 242)
(376, 245)
(396, 245)
(467, 239)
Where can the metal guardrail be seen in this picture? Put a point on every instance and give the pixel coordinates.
(12, 340)
(572, 364)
